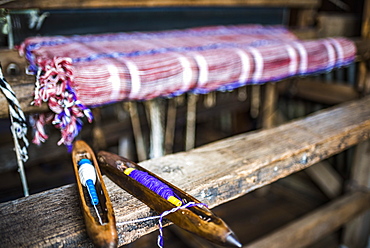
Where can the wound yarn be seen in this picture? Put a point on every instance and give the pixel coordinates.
(154, 185)
(87, 175)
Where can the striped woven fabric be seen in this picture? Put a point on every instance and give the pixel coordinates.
(90, 70)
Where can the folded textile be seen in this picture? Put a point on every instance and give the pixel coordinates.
(77, 72)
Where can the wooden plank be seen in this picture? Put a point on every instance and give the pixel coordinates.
(23, 89)
(326, 178)
(215, 173)
(50, 4)
(356, 232)
(320, 91)
(316, 225)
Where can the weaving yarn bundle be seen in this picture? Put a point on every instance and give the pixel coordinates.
(79, 71)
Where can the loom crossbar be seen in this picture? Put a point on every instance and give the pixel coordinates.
(214, 173)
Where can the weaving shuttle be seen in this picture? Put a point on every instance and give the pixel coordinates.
(96, 206)
(196, 219)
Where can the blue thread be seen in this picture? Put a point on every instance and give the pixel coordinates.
(93, 195)
(152, 183)
(89, 183)
(84, 161)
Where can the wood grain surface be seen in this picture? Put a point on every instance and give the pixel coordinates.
(214, 173)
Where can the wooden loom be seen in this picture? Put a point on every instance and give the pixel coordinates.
(296, 145)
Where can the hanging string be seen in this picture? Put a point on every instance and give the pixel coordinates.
(18, 129)
(160, 241)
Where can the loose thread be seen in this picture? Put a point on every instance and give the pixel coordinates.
(160, 241)
(54, 81)
(96, 210)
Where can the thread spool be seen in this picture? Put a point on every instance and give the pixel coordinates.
(87, 175)
(154, 185)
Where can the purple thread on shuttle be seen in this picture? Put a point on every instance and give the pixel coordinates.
(152, 183)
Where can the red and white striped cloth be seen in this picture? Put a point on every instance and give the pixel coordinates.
(100, 69)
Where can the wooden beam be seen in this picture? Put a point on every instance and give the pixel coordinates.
(320, 91)
(67, 4)
(214, 173)
(326, 178)
(316, 225)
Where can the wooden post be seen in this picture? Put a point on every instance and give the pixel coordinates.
(356, 232)
(191, 117)
(99, 141)
(255, 100)
(269, 106)
(366, 20)
(170, 126)
(364, 74)
(136, 128)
